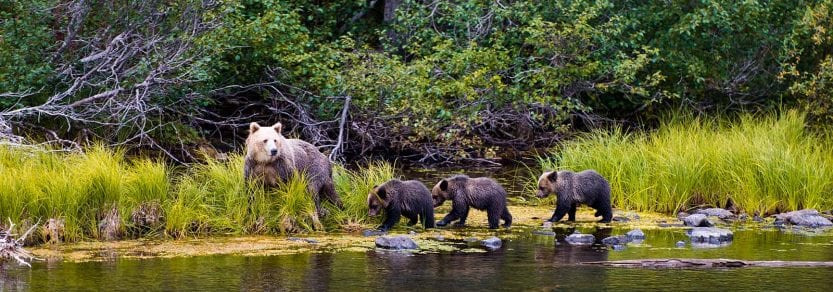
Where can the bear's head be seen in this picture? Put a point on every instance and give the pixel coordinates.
(264, 144)
(444, 189)
(377, 200)
(546, 184)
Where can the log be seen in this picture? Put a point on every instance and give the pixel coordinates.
(706, 263)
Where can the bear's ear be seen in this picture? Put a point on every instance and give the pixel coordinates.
(553, 176)
(253, 127)
(382, 193)
(278, 127)
(444, 185)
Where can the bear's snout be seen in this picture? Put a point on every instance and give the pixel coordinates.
(540, 194)
(273, 152)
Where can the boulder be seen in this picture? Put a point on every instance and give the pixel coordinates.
(635, 234)
(805, 218)
(721, 213)
(580, 239)
(697, 220)
(710, 235)
(396, 242)
(616, 240)
(491, 243)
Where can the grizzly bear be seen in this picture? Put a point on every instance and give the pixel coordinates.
(480, 193)
(401, 198)
(585, 187)
(272, 158)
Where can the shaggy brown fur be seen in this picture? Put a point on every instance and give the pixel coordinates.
(573, 188)
(401, 198)
(271, 158)
(480, 193)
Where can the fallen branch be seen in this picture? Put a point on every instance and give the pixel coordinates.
(705, 263)
(12, 248)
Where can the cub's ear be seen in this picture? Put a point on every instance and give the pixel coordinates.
(382, 193)
(253, 127)
(444, 185)
(278, 127)
(553, 176)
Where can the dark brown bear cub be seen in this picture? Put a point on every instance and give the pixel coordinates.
(573, 188)
(401, 198)
(480, 193)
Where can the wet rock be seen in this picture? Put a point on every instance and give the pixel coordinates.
(491, 243)
(710, 235)
(619, 247)
(680, 243)
(721, 213)
(580, 239)
(396, 242)
(616, 240)
(544, 232)
(621, 219)
(805, 218)
(635, 234)
(757, 218)
(697, 220)
(369, 233)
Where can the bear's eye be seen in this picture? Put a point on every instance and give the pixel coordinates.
(265, 140)
(276, 140)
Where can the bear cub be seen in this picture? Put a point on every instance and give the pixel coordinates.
(401, 198)
(480, 193)
(573, 188)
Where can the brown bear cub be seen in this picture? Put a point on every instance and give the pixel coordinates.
(480, 193)
(573, 188)
(401, 198)
(271, 158)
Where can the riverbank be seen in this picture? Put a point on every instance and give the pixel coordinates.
(526, 218)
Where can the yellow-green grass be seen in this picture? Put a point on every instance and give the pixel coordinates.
(84, 189)
(760, 165)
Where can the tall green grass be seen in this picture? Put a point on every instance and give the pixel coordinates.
(84, 189)
(760, 165)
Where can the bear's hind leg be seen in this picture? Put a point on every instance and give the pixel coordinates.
(605, 211)
(507, 217)
(412, 219)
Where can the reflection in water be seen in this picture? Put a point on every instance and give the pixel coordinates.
(531, 262)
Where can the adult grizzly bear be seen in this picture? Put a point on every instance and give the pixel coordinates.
(271, 158)
(480, 193)
(573, 188)
(401, 198)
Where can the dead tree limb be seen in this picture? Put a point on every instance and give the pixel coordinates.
(338, 150)
(705, 263)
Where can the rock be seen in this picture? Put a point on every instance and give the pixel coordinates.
(310, 240)
(680, 243)
(635, 234)
(757, 218)
(710, 235)
(697, 220)
(580, 239)
(616, 240)
(621, 219)
(619, 247)
(439, 238)
(721, 213)
(682, 215)
(806, 218)
(491, 243)
(368, 233)
(547, 224)
(544, 232)
(412, 232)
(396, 242)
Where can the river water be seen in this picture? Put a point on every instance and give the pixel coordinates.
(528, 262)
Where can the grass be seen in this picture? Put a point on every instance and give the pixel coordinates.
(760, 165)
(98, 194)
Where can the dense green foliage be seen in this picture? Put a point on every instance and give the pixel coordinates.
(81, 190)
(458, 78)
(757, 165)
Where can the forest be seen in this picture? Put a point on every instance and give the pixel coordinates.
(433, 82)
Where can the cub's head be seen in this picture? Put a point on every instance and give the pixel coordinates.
(264, 144)
(377, 200)
(546, 184)
(441, 192)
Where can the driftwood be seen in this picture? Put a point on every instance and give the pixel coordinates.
(705, 263)
(12, 248)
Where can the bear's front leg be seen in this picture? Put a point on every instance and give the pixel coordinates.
(571, 215)
(561, 209)
(393, 216)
